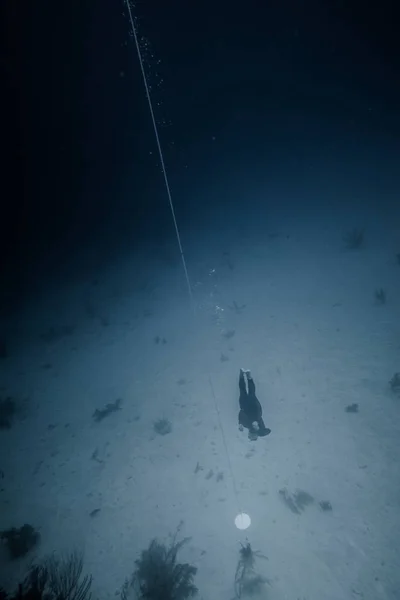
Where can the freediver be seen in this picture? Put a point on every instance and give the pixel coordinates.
(250, 413)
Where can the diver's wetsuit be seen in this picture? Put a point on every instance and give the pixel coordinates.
(250, 408)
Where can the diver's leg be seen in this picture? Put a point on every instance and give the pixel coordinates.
(251, 384)
(242, 383)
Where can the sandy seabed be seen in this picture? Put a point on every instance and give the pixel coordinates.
(299, 312)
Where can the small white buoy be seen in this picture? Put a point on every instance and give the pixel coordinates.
(242, 521)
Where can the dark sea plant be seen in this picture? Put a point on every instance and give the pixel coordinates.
(247, 581)
(395, 383)
(159, 576)
(354, 239)
(20, 540)
(54, 579)
(380, 296)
